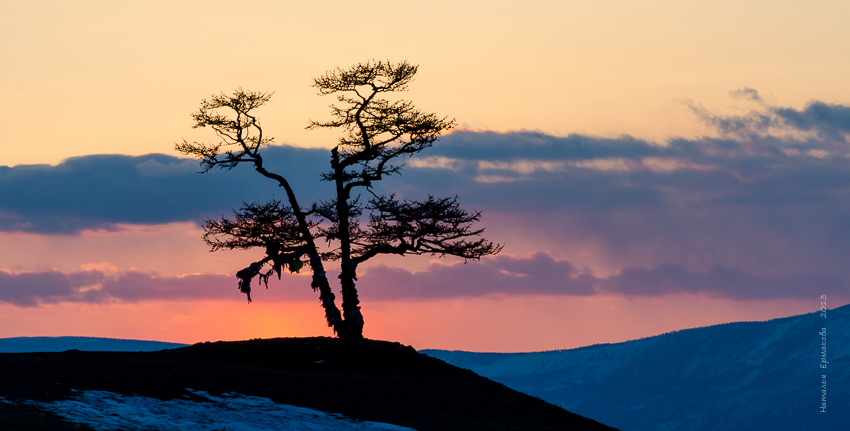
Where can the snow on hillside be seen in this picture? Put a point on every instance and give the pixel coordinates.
(104, 411)
(736, 376)
(61, 344)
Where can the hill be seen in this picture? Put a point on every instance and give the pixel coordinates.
(736, 376)
(363, 380)
(89, 344)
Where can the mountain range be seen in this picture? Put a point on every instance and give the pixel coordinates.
(784, 374)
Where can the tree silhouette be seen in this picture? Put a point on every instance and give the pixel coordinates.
(377, 134)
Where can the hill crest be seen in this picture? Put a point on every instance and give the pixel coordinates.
(363, 379)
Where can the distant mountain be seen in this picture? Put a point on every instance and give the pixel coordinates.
(736, 376)
(90, 344)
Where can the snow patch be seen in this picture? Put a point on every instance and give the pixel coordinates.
(102, 410)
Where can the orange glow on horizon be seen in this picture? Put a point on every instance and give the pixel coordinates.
(490, 324)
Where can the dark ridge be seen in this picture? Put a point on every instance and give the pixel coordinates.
(59, 344)
(362, 379)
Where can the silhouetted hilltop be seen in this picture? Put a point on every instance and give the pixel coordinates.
(366, 380)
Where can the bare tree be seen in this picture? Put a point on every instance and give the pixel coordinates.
(377, 134)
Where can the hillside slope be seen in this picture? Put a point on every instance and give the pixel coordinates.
(365, 380)
(737, 376)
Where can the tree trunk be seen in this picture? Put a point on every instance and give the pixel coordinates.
(353, 320)
(320, 278)
(320, 283)
(350, 302)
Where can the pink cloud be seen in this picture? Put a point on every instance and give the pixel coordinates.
(31, 289)
(539, 273)
(506, 275)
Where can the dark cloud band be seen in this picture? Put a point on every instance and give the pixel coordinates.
(538, 274)
(102, 191)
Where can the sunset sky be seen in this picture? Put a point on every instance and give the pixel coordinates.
(649, 166)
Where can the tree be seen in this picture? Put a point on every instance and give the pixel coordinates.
(376, 135)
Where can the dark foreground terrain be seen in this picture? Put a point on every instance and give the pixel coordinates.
(365, 380)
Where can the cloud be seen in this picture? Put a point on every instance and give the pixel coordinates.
(102, 191)
(496, 172)
(747, 93)
(31, 289)
(720, 282)
(475, 146)
(542, 274)
(765, 202)
(105, 191)
(828, 123)
(537, 274)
